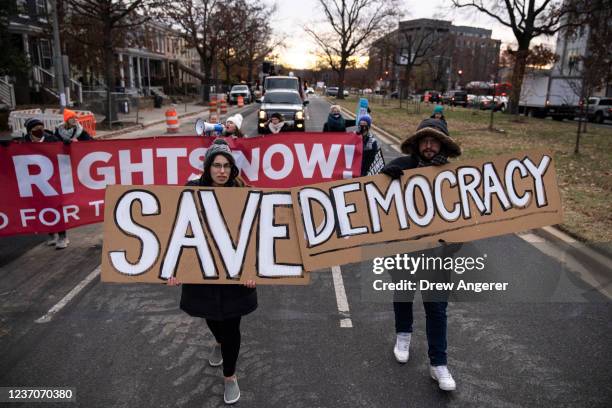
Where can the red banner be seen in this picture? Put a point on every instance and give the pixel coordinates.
(49, 187)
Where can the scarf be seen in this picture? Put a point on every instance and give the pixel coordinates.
(276, 128)
(72, 133)
(336, 124)
(438, 160)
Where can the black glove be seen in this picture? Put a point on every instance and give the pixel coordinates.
(67, 141)
(393, 171)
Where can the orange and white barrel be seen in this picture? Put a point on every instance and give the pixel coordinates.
(172, 122)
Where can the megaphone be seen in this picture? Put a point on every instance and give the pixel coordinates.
(202, 127)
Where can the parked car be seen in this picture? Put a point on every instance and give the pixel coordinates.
(345, 93)
(500, 103)
(599, 109)
(288, 103)
(394, 95)
(455, 98)
(331, 91)
(240, 90)
(310, 90)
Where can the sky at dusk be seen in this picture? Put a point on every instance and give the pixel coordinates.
(292, 16)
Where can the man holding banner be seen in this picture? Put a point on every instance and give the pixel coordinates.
(430, 145)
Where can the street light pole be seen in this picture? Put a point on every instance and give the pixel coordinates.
(57, 56)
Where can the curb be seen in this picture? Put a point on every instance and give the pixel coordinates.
(599, 255)
(129, 129)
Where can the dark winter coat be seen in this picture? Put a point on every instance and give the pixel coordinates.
(337, 125)
(217, 302)
(412, 162)
(47, 134)
(370, 148)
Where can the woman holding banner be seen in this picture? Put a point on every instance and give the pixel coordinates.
(335, 121)
(222, 306)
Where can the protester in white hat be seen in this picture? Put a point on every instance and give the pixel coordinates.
(232, 126)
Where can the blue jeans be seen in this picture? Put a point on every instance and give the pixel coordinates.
(435, 323)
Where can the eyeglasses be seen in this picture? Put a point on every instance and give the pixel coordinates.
(219, 166)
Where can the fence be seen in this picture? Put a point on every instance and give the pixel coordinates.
(7, 92)
(51, 119)
(123, 107)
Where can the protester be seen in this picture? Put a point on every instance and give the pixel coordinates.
(370, 144)
(438, 113)
(430, 145)
(335, 121)
(221, 305)
(36, 133)
(276, 124)
(214, 118)
(232, 126)
(71, 129)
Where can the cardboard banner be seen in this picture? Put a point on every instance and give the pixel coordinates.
(355, 220)
(48, 187)
(200, 235)
(222, 235)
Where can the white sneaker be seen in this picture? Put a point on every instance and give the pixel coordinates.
(52, 239)
(402, 345)
(62, 243)
(443, 377)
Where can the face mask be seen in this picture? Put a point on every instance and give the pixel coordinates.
(37, 133)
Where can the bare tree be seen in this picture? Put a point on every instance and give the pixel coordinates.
(107, 18)
(198, 22)
(593, 67)
(259, 41)
(354, 24)
(527, 20)
(415, 49)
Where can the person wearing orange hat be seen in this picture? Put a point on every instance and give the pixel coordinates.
(71, 129)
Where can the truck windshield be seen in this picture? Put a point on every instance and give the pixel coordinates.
(282, 97)
(281, 83)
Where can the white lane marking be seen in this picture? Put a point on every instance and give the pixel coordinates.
(341, 300)
(66, 299)
(565, 258)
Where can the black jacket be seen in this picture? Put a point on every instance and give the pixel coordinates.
(217, 302)
(405, 162)
(412, 162)
(347, 124)
(48, 137)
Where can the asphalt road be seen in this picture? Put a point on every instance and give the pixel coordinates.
(130, 345)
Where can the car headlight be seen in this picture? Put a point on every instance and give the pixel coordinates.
(262, 114)
(299, 115)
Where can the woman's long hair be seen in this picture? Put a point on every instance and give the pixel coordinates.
(233, 179)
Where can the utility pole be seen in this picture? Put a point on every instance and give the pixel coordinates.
(57, 56)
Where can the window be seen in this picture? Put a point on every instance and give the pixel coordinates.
(22, 8)
(41, 8)
(46, 56)
(605, 102)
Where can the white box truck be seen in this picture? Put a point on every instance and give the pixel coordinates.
(545, 95)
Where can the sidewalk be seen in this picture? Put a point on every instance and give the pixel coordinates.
(151, 117)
